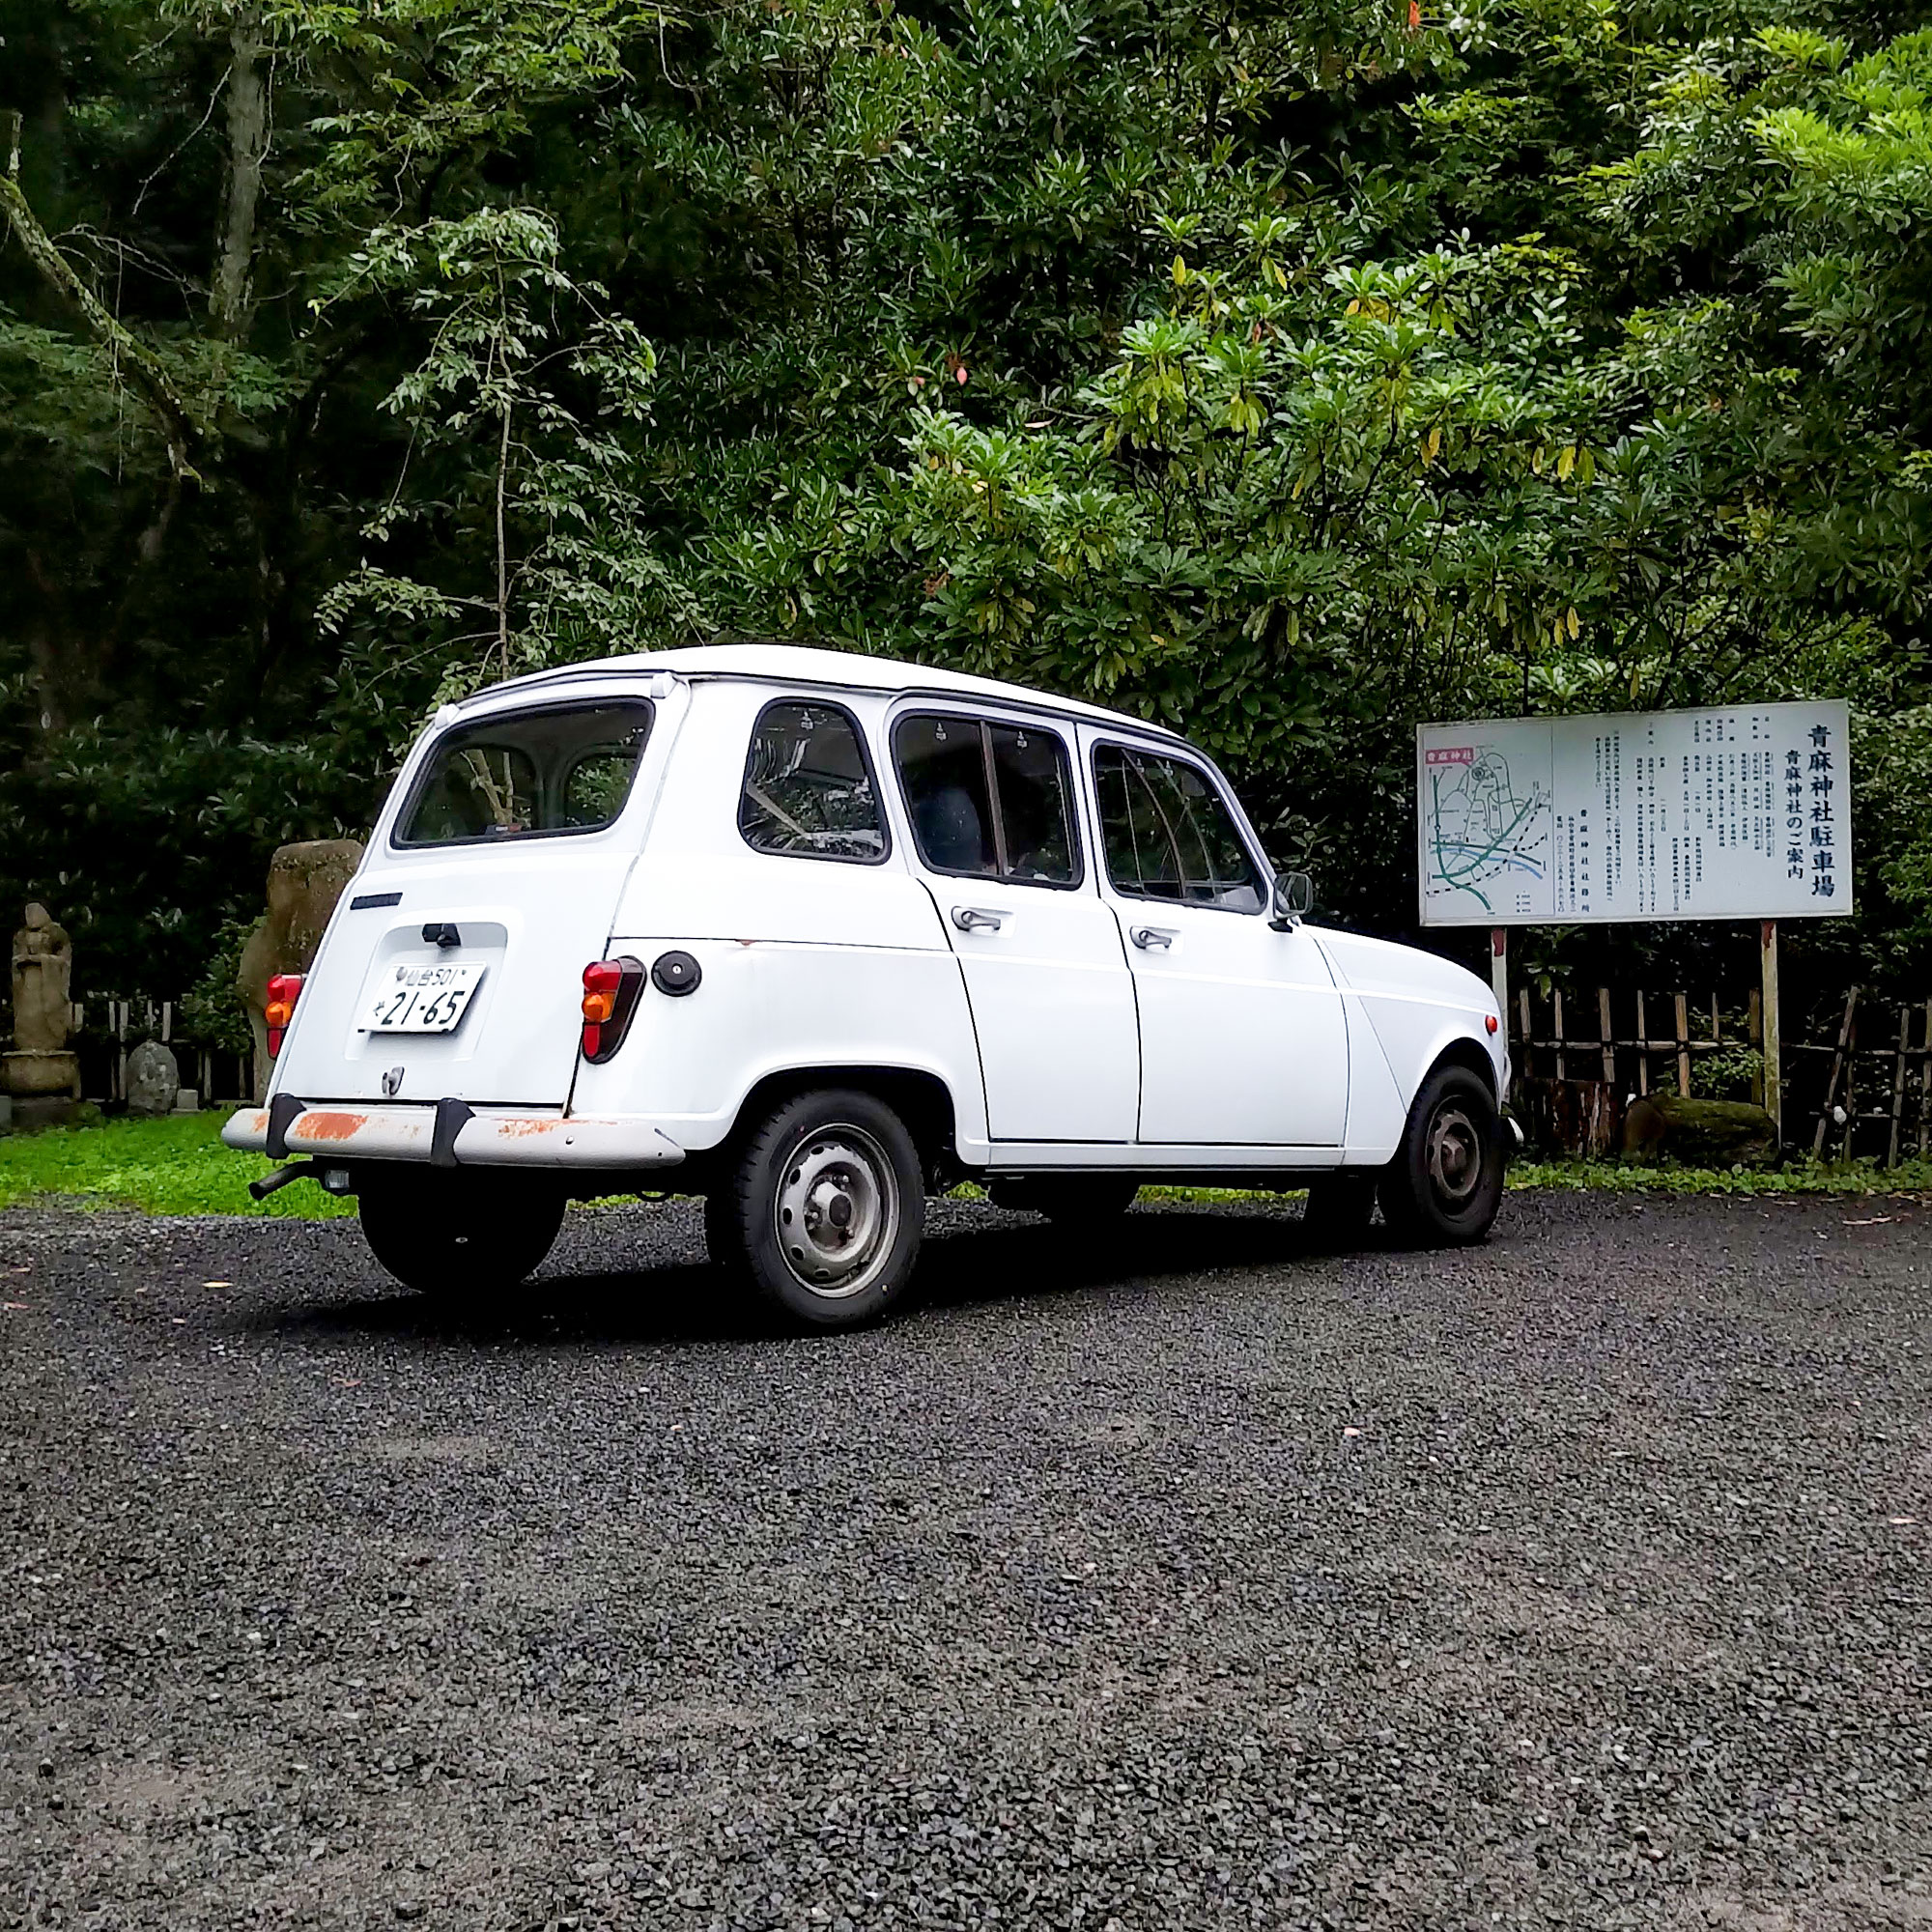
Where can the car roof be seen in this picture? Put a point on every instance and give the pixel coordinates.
(803, 663)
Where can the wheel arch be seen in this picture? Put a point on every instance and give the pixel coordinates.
(921, 1097)
(1463, 1051)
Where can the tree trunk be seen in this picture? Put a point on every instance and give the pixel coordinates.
(143, 366)
(1571, 1116)
(503, 546)
(229, 292)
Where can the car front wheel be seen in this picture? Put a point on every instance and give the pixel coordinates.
(1445, 1184)
(468, 1235)
(824, 1211)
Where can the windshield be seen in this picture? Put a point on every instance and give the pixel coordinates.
(527, 774)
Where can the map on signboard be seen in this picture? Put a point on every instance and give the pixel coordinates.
(1742, 811)
(1487, 826)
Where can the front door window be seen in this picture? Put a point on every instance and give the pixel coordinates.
(1168, 836)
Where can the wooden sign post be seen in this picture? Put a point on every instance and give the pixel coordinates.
(1774, 1080)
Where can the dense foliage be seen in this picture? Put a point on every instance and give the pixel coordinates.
(1292, 370)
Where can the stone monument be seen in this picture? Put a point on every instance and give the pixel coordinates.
(40, 1073)
(305, 883)
(154, 1080)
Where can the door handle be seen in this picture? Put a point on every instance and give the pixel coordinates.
(1145, 936)
(978, 918)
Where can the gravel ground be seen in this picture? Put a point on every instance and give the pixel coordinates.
(1578, 1580)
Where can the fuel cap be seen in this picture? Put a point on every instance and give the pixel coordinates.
(675, 974)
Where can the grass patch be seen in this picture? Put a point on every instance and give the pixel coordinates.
(1798, 1175)
(176, 1165)
(179, 1166)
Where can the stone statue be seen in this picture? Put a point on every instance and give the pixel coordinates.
(41, 1066)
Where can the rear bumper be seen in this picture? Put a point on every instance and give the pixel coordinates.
(490, 1137)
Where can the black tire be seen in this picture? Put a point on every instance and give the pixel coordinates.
(823, 1213)
(1445, 1184)
(1339, 1208)
(469, 1235)
(1071, 1199)
(721, 1236)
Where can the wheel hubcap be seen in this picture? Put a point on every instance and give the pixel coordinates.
(1455, 1155)
(836, 1214)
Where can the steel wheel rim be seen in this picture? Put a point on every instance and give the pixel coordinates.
(1454, 1155)
(836, 1211)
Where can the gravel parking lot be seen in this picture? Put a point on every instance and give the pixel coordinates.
(1579, 1581)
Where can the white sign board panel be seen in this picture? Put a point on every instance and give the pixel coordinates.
(1740, 813)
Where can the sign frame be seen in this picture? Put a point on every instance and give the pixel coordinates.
(1745, 727)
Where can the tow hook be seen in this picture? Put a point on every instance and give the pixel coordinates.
(333, 1179)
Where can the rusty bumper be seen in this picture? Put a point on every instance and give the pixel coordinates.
(486, 1137)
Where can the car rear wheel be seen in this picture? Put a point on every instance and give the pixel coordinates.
(468, 1235)
(1445, 1184)
(1071, 1199)
(824, 1211)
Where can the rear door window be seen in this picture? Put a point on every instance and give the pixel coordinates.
(528, 774)
(988, 800)
(809, 790)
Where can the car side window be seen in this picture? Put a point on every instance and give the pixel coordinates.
(988, 800)
(1167, 834)
(808, 791)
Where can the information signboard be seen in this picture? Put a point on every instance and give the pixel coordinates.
(1743, 813)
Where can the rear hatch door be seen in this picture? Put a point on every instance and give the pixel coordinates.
(453, 966)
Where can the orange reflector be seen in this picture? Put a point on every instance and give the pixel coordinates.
(1490, 1022)
(599, 1007)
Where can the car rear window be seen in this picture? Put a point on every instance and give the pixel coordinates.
(988, 800)
(528, 774)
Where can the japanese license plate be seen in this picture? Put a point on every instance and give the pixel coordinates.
(422, 998)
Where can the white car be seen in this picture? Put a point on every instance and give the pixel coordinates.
(812, 934)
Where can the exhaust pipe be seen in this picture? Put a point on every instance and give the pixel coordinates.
(296, 1170)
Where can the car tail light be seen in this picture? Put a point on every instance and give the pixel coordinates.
(284, 989)
(610, 990)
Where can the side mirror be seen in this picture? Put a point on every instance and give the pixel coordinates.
(1293, 895)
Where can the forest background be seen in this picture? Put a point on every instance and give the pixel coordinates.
(1289, 372)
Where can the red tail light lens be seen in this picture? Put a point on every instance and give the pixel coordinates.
(610, 990)
(284, 990)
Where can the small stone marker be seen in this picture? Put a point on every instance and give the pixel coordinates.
(153, 1079)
